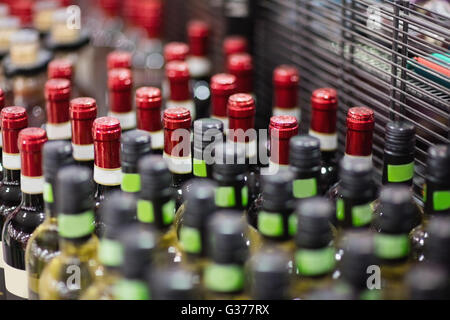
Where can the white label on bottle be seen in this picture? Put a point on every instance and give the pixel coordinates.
(157, 139)
(11, 161)
(225, 122)
(108, 177)
(32, 185)
(295, 112)
(179, 165)
(368, 159)
(199, 66)
(251, 148)
(237, 8)
(189, 104)
(83, 152)
(328, 142)
(60, 131)
(127, 120)
(16, 281)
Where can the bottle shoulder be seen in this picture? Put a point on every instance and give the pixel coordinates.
(43, 244)
(23, 221)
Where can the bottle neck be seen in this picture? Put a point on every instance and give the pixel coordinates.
(11, 176)
(355, 212)
(315, 262)
(131, 181)
(232, 194)
(306, 182)
(276, 225)
(216, 274)
(398, 169)
(159, 212)
(35, 201)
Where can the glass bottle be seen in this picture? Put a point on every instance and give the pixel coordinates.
(286, 81)
(43, 243)
(28, 215)
(234, 44)
(63, 68)
(223, 86)
(120, 84)
(57, 94)
(173, 51)
(177, 72)
(70, 274)
(240, 65)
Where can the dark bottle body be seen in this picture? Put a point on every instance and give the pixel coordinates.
(102, 192)
(329, 171)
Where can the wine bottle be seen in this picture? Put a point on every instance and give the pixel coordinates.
(14, 119)
(156, 205)
(324, 105)
(207, 133)
(139, 246)
(120, 84)
(70, 274)
(57, 94)
(83, 112)
(314, 257)
(118, 213)
(234, 44)
(177, 148)
(223, 86)
(224, 276)
(64, 68)
(163, 288)
(135, 145)
(392, 241)
(2, 105)
(107, 171)
(177, 72)
(173, 51)
(28, 215)
(269, 276)
(200, 66)
(305, 163)
(281, 130)
(148, 110)
(43, 243)
(286, 81)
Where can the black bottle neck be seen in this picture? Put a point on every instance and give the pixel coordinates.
(33, 201)
(11, 176)
(398, 168)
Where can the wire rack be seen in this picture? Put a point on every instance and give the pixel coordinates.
(368, 50)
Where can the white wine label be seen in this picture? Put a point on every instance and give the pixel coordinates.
(32, 185)
(108, 177)
(295, 112)
(11, 161)
(179, 165)
(328, 142)
(189, 104)
(157, 139)
(368, 159)
(127, 120)
(16, 281)
(199, 66)
(225, 121)
(83, 152)
(60, 131)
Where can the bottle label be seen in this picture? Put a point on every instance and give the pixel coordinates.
(400, 173)
(75, 226)
(16, 281)
(108, 177)
(32, 185)
(328, 142)
(11, 161)
(340, 210)
(59, 131)
(191, 240)
(270, 224)
(110, 252)
(292, 223)
(83, 152)
(200, 168)
(361, 215)
(315, 262)
(127, 119)
(131, 182)
(131, 290)
(48, 193)
(226, 197)
(157, 139)
(305, 188)
(224, 278)
(178, 165)
(441, 200)
(146, 212)
(389, 246)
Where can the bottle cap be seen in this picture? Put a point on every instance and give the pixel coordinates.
(177, 119)
(281, 130)
(277, 191)
(120, 83)
(31, 141)
(178, 74)
(148, 109)
(111, 7)
(304, 153)
(439, 164)
(207, 132)
(77, 182)
(156, 178)
(199, 203)
(241, 66)
(83, 112)
(173, 283)
(198, 34)
(57, 154)
(437, 246)
(57, 94)
(360, 126)
(356, 175)
(150, 17)
(106, 132)
(23, 9)
(314, 217)
(428, 282)
(229, 161)
(117, 212)
(400, 138)
(223, 85)
(119, 60)
(135, 144)
(324, 104)
(241, 114)
(14, 119)
(286, 83)
(227, 245)
(174, 51)
(60, 69)
(235, 44)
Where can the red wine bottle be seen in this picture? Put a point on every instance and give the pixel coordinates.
(63, 68)
(14, 119)
(223, 86)
(241, 66)
(281, 130)
(286, 85)
(21, 223)
(120, 84)
(57, 95)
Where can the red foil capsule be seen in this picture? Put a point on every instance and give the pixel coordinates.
(176, 51)
(83, 112)
(23, 9)
(324, 104)
(223, 86)
(120, 83)
(150, 17)
(57, 94)
(360, 126)
(148, 103)
(14, 119)
(177, 119)
(119, 60)
(235, 44)
(241, 66)
(178, 74)
(106, 132)
(286, 80)
(60, 69)
(198, 34)
(111, 7)
(241, 115)
(31, 141)
(281, 130)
